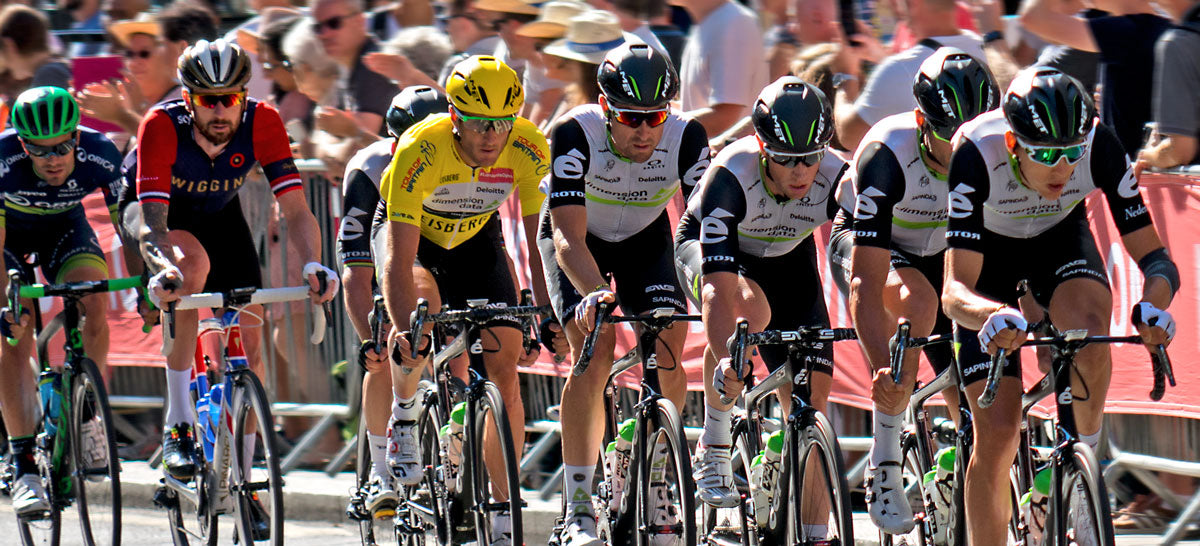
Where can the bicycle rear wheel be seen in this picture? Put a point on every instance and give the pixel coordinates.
(498, 478)
(94, 453)
(41, 532)
(729, 526)
(914, 488)
(372, 531)
(421, 517)
(1086, 518)
(816, 460)
(666, 499)
(256, 484)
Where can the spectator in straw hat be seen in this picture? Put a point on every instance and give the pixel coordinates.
(506, 16)
(575, 58)
(247, 34)
(542, 92)
(633, 16)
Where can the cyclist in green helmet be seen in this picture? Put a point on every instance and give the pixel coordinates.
(48, 164)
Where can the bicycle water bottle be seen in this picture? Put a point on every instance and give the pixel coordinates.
(764, 470)
(202, 409)
(450, 436)
(939, 491)
(616, 461)
(50, 386)
(1033, 505)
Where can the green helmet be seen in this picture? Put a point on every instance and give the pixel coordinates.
(45, 112)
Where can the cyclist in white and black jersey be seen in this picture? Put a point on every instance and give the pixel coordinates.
(1018, 181)
(616, 165)
(743, 249)
(362, 216)
(886, 250)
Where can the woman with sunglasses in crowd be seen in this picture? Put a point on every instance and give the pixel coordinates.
(744, 248)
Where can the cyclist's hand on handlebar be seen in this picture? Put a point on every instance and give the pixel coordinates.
(585, 312)
(164, 286)
(371, 357)
(725, 380)
(552, 337)
(322, 282)
(885, 393)
(149, 313)
(402, 351)
(529, 354)
(10, 327)
(1003, 329)
(1156, 326)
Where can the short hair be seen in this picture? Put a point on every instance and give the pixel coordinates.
(28, 28)
(272, 35)
(642, 9)
(425, 46)
(358, 5)
(301, 45)
(188, 21)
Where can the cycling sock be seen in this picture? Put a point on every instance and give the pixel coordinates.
(814, 531)
(577, 484)
(377, 443)
(1092, 440)
(716, 427)
(405, 409)
(886, 429)
(179, 399)
(23, 455)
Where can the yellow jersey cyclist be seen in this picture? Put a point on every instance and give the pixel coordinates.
(1018, 180)
(362, 222)
(444, 243)
(48, 164)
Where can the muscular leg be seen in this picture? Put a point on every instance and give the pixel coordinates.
(404, 385)
(501, 350)
(582, 398)
(992, 453)
(194, 266)
(671, 375)
(1086, 303)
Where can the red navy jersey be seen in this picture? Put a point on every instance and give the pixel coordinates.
(173, 169)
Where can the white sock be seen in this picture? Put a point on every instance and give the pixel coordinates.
(886, 429)
(816, 531)
(405, 409)
(716, 427)
(1092, 440)
(248, 453)
(179, 399)
(577, 485)
(377, 443)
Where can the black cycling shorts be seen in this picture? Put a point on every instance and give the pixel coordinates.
(841, 241)
(642, 266)
(792, 286)
(62, 242)
(1066, 251)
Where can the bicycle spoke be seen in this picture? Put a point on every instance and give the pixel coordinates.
(256, 482)
(97, 473)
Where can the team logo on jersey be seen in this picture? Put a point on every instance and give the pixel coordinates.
(569, 165)
(352, 227)
(712, 229)
(960, 206)
(924, 181)
(608, 165)
(1011, 186)
(693, 174)
(497, 176)
(865, 208)
(237, 160)
(428, 150)
(1128, 187)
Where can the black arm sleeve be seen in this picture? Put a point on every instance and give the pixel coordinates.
(694, 156)
(969, 188)
(878, 187)
(359, 199)
(572, 158)
(1112, 173)
(722, 208)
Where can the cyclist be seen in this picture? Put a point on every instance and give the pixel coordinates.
(744, 249)
(609, 187)
(887, 246)
(1018, 178)
(362, 216)
(443, 240)
(49, 165)
(192, 157)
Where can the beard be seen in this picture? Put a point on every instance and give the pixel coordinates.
(209, 133)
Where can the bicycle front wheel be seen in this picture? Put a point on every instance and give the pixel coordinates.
(495, 487)
(913, 473)
(94, 454)
(373, 531)
(41, 531)
(666, 500)
(256, 483)
(1085, 517)
(823, 511)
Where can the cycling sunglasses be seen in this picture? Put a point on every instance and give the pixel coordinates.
(211, 100)
(138, 54)
(284, 64)
(63, 148)
(1051, 155)
(332, 23)
(785, 159)
(482, 124)
(635, 118)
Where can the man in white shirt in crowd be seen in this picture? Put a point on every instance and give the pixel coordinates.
(724, 65)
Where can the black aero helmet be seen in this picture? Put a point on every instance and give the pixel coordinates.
(413, 104)
(1046, 107)
(206, 66)
(793, 116)
(952, 88)
(634, 74)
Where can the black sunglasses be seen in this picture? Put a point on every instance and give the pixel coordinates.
(332, 23)
(138, 54)
(63, 148)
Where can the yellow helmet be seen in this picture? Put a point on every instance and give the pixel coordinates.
(484, 86)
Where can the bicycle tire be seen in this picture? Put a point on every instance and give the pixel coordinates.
(913, 473)
(206, 524)
(491, 403)
(423, 509)
(100, 525)
(956, 535)
(677, 479)
(250, 397)
(41, 532)
(745, 448)
(1082, 473)
(815, 436)
(372, 531)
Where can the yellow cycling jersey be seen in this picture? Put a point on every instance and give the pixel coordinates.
(428, 183)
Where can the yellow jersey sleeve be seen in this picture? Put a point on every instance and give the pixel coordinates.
(411, 175)
(531, 162)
